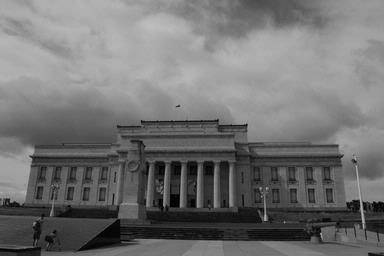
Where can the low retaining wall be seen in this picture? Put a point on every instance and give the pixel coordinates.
(354, 235)
(16, 250)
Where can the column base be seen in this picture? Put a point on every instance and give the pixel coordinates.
(132, 211)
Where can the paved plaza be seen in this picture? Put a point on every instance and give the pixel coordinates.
(152, 247)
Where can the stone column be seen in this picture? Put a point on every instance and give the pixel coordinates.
(167, 184)
(216, 185)
(150, 184)
(232, 185)
(183, 185)
(200, 186)
(120, 183)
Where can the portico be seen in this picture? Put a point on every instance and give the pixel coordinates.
(191, 184)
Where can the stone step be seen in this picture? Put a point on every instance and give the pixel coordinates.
(199, 232)
(211, 217)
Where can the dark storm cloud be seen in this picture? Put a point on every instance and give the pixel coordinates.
(25, 29)
(370, 64)
(308, 115)
(34, 112)
(291, 69)
(236, 18)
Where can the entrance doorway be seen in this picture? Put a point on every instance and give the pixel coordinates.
(159, 201)
(175, 200)
(192, 203)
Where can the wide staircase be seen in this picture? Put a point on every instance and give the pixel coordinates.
(242, 224)
(241, 215)
(213, 231)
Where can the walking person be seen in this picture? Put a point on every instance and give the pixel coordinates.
(51, 239)
(37, 227)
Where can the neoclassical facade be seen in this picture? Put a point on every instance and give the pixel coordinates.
(189, 164)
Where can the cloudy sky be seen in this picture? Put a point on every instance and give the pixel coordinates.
(292, 69)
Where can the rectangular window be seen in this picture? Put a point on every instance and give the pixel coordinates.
(257, 173)
(104, 173)
(102, 194)
(293, 195)
(257, 195)
(275, 195)
(309, 173)
(291, 173)
(70, 192)
(57, 173)
(72, 173)
(274, 174)
(327, 173)
(42, 173)
(88, 173)
(114, 177)
(311, 195)
(242, 177)
(86, 193)
(39, 192)
(329, 195)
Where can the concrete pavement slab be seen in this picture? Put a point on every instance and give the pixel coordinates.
(154, 247)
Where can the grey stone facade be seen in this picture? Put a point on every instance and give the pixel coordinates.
(191, 164)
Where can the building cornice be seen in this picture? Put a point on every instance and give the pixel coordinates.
(65, 156)
(212, 121)
(75, 145)
(297, 156)
(180, 135)
(287, 145)
(189, 149)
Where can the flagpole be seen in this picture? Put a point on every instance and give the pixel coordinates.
(177, 107)
(354, 161)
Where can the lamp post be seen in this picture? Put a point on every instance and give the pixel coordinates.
(354, 161)
(264, 193)
(55, 188)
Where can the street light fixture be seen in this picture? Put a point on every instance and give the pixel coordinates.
(55, 188)
(264, 192)
(354, 161)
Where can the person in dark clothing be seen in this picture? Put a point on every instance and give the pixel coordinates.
(51, 239)
(37, 227)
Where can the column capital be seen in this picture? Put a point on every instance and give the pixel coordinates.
(216, 161)
(167, 162)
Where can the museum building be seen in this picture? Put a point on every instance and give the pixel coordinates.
(189, 164)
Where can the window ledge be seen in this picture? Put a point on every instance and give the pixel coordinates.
(87, 181)
(310, 182)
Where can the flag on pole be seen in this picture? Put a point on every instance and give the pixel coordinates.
(354, 159)
(177, 106)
